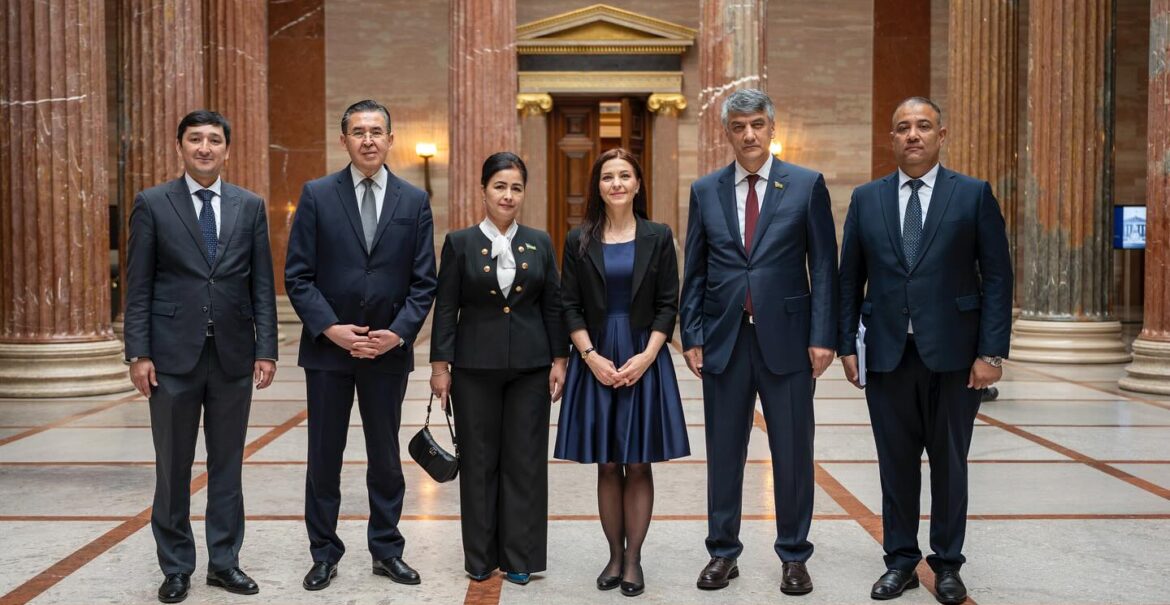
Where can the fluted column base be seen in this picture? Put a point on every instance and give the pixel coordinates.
(72, 369)
(288, 324)
(1068, 341)
(1150, 370)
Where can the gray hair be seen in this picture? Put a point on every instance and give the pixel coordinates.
(745, 101)
(362, 107)
(919, 101)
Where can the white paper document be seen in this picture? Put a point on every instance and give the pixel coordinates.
(861, 352)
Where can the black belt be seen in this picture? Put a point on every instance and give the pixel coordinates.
(210, 330)
(749, 319)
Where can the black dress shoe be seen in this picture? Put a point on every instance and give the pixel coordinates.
(949, 588)
(396, 569)
(794, 579)
(174, 587)
(718, 573)
(320, 576)
(605, 582)
(232, 580)
(892, 584)
(635, 587)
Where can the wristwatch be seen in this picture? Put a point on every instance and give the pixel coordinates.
(993, 361)
(585, 353)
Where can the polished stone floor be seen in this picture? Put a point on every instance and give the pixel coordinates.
(1070, 504)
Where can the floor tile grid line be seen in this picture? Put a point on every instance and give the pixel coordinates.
(62, 569)
(1104, 467)
(694, 425)
(1125, 395)
(63, 421)
(486, 592)
(857, 511)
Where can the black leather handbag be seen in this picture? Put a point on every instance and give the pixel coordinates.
(440, 464)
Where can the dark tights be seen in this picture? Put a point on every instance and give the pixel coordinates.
(625, 499)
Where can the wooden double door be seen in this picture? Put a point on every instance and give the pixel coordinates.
(581, 129)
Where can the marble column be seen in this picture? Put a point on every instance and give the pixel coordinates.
(482, 86)
(161, 68)
(236, 64)
(1150, 370)
(1065, 312)
(664, 154)
(534, 110)
(982, 110)
(296, 114)
(56, 339)
(732, 55)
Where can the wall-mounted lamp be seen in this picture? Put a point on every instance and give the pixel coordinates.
(426, 151)
(776, 148)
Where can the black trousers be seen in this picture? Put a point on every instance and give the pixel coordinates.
(175, 407)
(729, 401)
(380, 402)
(501, 420)
(912, 409)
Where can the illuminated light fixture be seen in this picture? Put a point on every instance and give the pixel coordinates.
(776, 148)
(425, 150)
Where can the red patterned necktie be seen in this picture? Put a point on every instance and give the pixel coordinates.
(751, 217)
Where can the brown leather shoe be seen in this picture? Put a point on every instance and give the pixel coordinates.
(795, 579)
(718, 573)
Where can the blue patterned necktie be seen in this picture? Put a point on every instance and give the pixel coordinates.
(207, 223)
(912, 226)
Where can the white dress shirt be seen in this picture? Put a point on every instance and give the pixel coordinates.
(502, 252)
(741, 192)
(380, 177)
(215, 187)
(924, 193)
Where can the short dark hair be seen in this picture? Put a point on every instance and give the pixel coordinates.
(361, 107)
(204, 117)
(919, 101)
(502, 160)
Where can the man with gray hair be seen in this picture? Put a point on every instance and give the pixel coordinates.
(759, 300)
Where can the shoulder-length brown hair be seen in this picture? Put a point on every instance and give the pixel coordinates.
(593, 224)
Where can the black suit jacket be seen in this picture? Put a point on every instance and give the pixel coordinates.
(655, 282)
(476, 326)
(959, 291)
(332, 279)
(172, 290)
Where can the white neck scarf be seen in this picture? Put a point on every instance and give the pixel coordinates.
(502, 252)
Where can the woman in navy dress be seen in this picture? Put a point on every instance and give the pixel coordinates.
(621, 407)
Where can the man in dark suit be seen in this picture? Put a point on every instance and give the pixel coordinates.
(200, 331)
(361, 275)
(758, 313)
(925, 266)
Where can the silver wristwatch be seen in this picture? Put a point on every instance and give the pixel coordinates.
(993, 361)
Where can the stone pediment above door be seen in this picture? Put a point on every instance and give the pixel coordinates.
(603, 30)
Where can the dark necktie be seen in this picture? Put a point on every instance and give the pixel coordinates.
(912, 225)
(369, 213)
(207, 223)
(750, 218)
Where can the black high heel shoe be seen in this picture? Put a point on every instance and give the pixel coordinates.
(633, 589)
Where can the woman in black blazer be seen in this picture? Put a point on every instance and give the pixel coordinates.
(622, 408)
(498, 347)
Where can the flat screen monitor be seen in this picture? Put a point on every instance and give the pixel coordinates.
(1129, 227)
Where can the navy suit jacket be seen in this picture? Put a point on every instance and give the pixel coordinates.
(331, 278)
(173, 290)
(791, 270)
(958, 292)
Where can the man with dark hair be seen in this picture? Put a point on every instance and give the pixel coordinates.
(758, 311)
(361, 275)
(200, 332)
(925, 266)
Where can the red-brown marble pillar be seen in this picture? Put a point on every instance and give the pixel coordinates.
(732, 55)
(482, 109)
(1150, 370)
(55, 334)
(296, 118)
(236, 63)
(534, 108)
(664, 155)
(162, 81)
(1066, 314)
(982, 113)
(901, 68)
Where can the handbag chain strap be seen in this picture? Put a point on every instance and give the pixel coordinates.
(447, 415)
